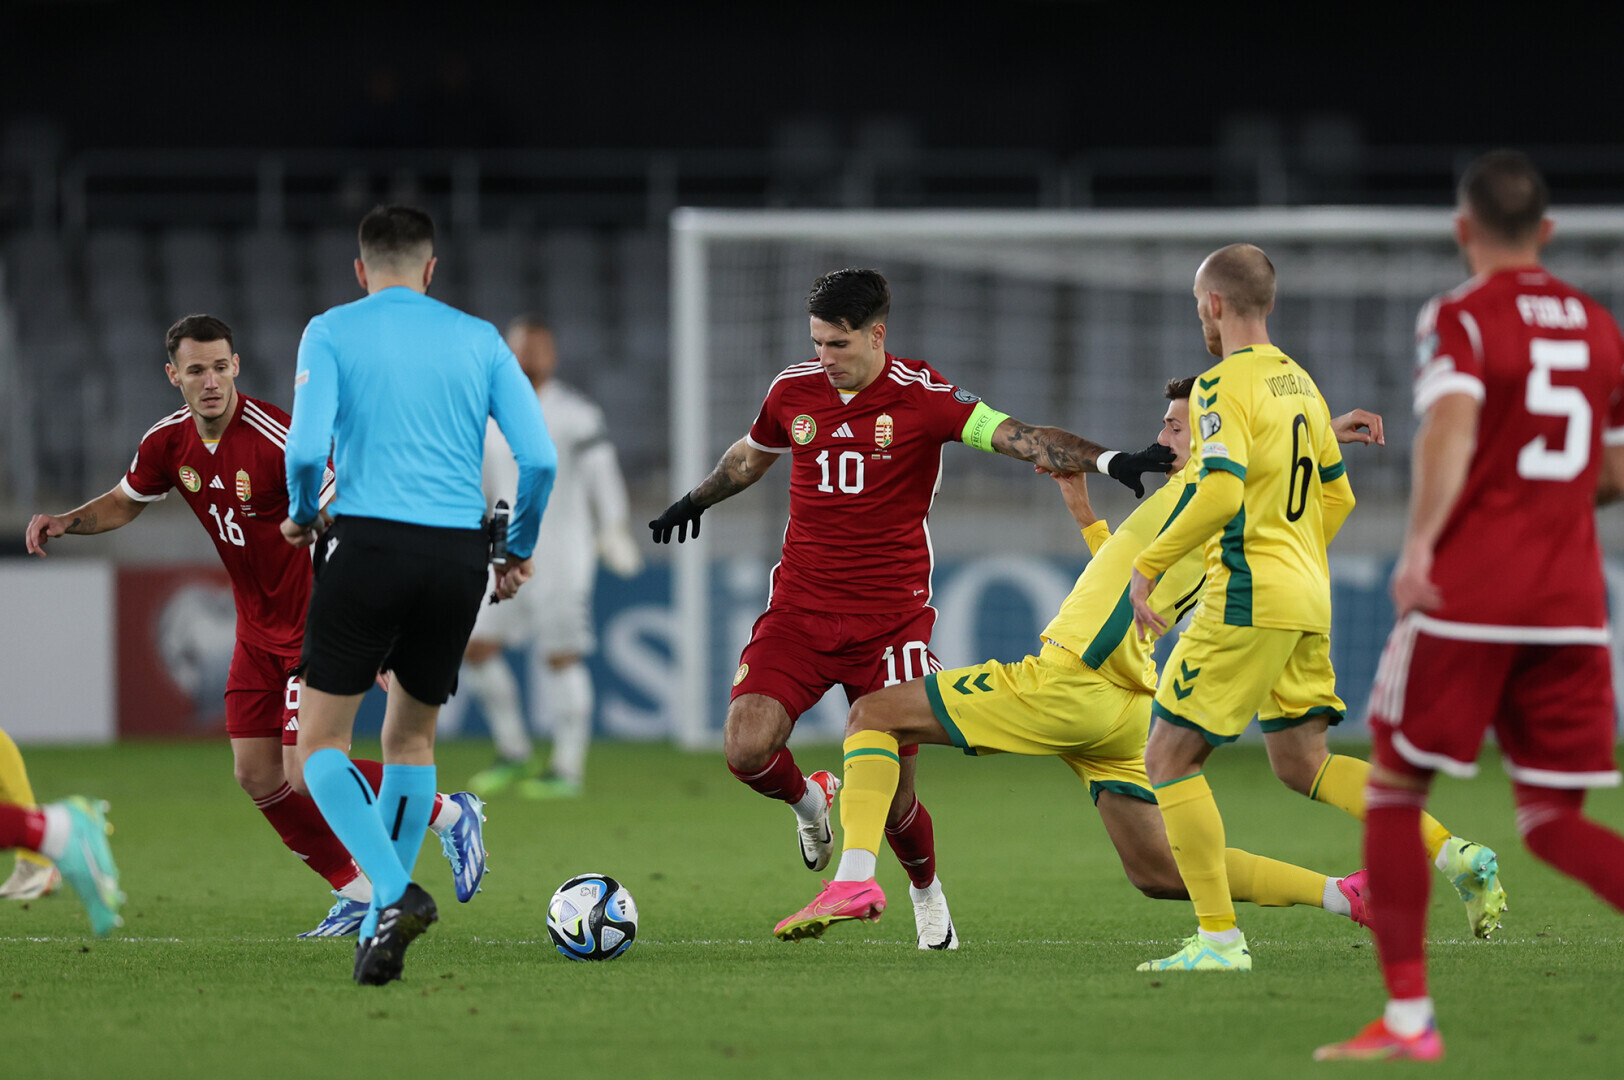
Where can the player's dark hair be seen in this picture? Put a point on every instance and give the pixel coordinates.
(1179, 389)
(528, 322)
(1504, 193)
(850, 298)
(198, 328)
(394, 234)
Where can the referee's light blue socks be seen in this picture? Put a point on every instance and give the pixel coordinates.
(345, 799)
(405, 804)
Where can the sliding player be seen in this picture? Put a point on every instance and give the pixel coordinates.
(1271, 496)
(33, 876)
(1084, 699)
(224, 451)
(850, 601)
(1499, 591)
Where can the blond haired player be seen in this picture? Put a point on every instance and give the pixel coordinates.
(1271, 496)
(1085, 698)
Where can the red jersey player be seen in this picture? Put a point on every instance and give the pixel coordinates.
(1499, 590)
(224, 452)
(849, 602)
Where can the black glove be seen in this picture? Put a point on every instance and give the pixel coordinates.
(1125, 468)
(677, 516)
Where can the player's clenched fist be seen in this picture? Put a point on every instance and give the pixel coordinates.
(41, 528)
(1126, 468)
(679, 515)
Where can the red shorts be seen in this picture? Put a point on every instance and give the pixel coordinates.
(262, 695)
(795, 656)
(1551, 706)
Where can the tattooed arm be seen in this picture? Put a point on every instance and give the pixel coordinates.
(1051, 448)
(740, 467)
(102, 514)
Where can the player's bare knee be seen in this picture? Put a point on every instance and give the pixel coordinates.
(750, 739)
(258, 778)
(863, 716)
(1297, 774)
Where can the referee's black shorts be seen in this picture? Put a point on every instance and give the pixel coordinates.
(389, 595)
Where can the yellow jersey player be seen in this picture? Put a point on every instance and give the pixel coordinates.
(34, 875)
(1085, 698)
(1272, 494)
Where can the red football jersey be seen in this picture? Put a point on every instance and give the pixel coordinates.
(239, 491)
(1547, 363)
(861, 483)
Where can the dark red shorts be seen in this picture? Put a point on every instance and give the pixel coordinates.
(795, 656)
(1551, 707)
(262, 695)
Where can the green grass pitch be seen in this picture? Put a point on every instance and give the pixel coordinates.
(207, 980)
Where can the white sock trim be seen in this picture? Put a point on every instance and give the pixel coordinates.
(1222, 937)
(933, 889)
(1408, 1017)
(58, 826)
(1333, 900)
(359, 889)
(856, 864)
(450, 813)
(813, 804)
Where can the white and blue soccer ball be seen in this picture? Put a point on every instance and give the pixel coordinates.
(592, 917)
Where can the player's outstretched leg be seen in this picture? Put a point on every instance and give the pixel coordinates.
(33, 876)
(872, 768)
(754, 741)
(1471, 868)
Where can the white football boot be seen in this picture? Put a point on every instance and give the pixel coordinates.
(932, 920)
(816, 838)
(30, 880)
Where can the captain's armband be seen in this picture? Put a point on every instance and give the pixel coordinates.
(984, 420)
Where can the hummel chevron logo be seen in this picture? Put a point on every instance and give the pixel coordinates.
(1206, 402)
(215, 483)
(980, 683)
(1208, 384)
(842, 432)
(1186, 672)
(1182, 692)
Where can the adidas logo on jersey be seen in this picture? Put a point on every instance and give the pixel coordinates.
(842, 432)
(215, 483)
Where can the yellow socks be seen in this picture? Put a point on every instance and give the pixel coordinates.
(1195, 830)
(1270, 882)
(1341, 783)
(872, 770)
(14, 787)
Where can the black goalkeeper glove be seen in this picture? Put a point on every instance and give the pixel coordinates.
(679, 515)
(1126, 468)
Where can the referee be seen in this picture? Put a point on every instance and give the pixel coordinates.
(398, 387)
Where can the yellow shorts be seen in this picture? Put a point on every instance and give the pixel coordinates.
(1051, 705)
(1220, 676)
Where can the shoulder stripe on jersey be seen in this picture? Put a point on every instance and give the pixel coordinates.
(273, 422)
(1472, 332)
(173, 418)
(280, 440)
(795, 371)
(921, 379)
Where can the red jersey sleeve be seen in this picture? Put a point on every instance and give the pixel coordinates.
(768, 432)
(1448, 354)
(147, 479)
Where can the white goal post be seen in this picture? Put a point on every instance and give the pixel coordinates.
(1071, 318)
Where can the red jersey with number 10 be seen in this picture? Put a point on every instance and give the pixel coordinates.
(863, 475)
(239, 491)
(1547, 364)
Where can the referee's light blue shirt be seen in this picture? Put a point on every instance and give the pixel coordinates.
(399, 386)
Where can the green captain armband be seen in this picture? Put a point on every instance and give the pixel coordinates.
(979, 428)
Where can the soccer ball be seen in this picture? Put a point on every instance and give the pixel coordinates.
(592, 917)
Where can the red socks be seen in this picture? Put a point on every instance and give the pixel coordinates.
(1400, 877)
(1555, 830)
(306, 833)
(781, 779)
(21, 827)
(914, 841)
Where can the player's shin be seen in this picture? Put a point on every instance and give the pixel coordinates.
(1554, 829)
(299, 823)
(1399, 881)
(569, 693)
(872, 768)
(1195, 831)
(1270, 882)
(1341, 783)
(913, 839)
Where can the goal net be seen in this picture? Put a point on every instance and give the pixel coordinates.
(1071, 319)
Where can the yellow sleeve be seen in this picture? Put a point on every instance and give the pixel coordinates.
(1096, 535)
(1222, 415)
(1217, 499)
(1337, 499)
